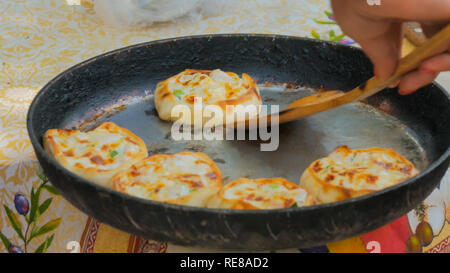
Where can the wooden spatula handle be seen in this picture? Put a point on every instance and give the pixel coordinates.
(439, 43)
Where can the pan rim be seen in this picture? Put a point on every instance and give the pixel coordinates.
(38, 146)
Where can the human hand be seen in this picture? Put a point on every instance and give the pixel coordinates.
(378, 29)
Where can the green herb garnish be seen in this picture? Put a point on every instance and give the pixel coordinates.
(294, 205)
(274, 186)
(113, 153)
(327, 13)
(314, 34)
(178, 93)
(321, 22)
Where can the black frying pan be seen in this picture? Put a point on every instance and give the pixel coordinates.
(118, 86)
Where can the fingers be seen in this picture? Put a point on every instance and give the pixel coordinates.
(427, 73)
(407, 10)
(379, 32)
(394, 84)
(414, 80)
(384, 51)
(379, 38)
(437, 63)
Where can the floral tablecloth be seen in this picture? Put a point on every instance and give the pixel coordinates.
(41, 38)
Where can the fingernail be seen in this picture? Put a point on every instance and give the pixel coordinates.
(427, 71)
(394, 84)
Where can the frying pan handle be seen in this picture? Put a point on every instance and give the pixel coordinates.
(437, 44)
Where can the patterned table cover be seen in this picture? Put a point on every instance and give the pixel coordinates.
(41, 38)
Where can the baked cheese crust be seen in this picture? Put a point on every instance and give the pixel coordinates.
(95, 155)
(215, 87)
(347, 173)
(263, 193)
(185, 178)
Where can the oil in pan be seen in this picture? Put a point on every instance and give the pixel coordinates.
(356, 125)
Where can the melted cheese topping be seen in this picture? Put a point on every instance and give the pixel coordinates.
(369, 169)
(167, 177)
(212, 86)
(105, 148)
(266, 193)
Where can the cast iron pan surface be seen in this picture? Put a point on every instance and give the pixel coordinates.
(117, 86)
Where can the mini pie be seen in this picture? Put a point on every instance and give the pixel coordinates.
(215, 87)
(347, 173)
(95, 155)
(263, 193)
(185, 178)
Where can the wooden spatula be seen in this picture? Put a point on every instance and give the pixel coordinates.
(323, 101)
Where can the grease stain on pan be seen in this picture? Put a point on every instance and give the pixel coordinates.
(153, 149)
(219, 160)
(95, 117)
(151, 112)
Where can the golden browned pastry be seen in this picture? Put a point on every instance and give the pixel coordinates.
(98, 154)
(215, 87)
(263, 193)
(185, 178)
(347, 173)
